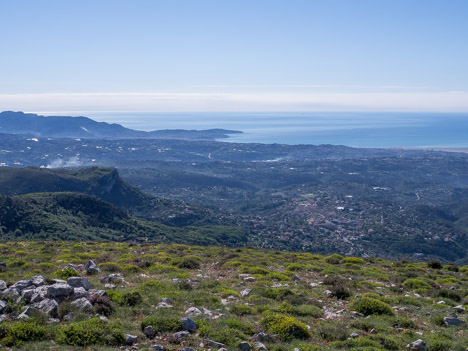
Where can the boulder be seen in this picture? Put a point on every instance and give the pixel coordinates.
(3, 305)
(244, 346)
(79, 282)
(91, 268)
(28, 312)
(22, 284)
(149, 332)
(3, 285)
(259, 346)
(113, 278)
(189, 324)
(38, 280)
(59, 290)
(453, 322)
(27, 294)
(79, 293)
(130, 339)
(166, 300)
(48, 306)
(245, 292)
(418, 345)
(193, 311)
(83, 304)
(94, 292)
(179, 336)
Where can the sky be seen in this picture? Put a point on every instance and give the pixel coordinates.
(233, 55)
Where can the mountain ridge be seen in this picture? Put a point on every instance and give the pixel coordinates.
(12, 122)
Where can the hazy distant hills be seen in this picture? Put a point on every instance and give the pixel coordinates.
(84, 127)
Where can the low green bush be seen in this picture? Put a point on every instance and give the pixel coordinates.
(285, 327)
(162, 324)
(90, 332)
(368, 305)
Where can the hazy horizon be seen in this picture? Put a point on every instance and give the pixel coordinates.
(185, 56)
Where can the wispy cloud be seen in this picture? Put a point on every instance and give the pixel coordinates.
(426, 101)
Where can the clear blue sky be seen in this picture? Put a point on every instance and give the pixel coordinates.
(234, 54)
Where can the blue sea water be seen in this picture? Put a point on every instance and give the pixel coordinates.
(363, 129)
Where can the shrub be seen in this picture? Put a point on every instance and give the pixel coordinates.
(110, 267)
(414, 283)
(66, 273)
(434, 264)
(131, 298)
(285, 327)
(296, 267)
(332, 331)
(102, 305)
(241, 310)
(452, 267)
(90, 332)
(368, 305)
(354, 260)
(22, 331)
(341, 292)
(187, 262)
(162, 324)
(448, 294)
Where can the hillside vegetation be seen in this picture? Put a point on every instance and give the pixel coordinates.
(232, 297)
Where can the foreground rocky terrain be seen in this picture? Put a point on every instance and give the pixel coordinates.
(106, 296)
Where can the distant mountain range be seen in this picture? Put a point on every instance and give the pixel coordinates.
(84, 127)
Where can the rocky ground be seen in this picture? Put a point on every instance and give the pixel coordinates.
(106, 296)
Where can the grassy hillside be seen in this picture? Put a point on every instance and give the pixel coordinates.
(77, 216)
(106, 184)
(295, 300)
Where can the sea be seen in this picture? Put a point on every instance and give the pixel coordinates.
(358, 129)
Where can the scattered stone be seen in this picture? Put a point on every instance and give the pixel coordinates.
(59, 290)
(207, 312)
(22, 284)
(3, 305)
(441, 302)
(354, 335)
(27, 294)
(453, 321)
(314, 285)
(3, 285)
(193, 311)
(187, 349)
(68, 317)
(189, 324)
(92, 268)
(418, 345)
(79, 282)
(250, 279)
(48, 306)
(213, 343)
(149, 332)
(296, 278)
(164, 305)
(329, 293)
(94, 292)
(130, 339)
(245, 292)
(113, 278)
(259, 346)
(166, 300)
(82, 303)
(179, 336)
(28, 312)
(38, 280)
(244, 346)
(459, 308)
(79, 293)
(157, 347)
(109, 286)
